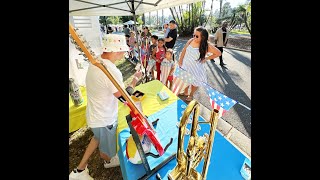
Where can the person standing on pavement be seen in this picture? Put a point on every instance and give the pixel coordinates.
(221, 39)
(102, 107)
(171, 38)
(193, 59)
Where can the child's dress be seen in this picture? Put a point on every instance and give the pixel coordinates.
(160, 54)
(151, 62)
(165, 69)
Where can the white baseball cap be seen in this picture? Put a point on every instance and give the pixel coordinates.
(114, 43)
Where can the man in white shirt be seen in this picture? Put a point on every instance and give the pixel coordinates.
(102, 106)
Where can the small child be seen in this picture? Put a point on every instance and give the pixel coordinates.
(135, 52)
(158, 54)
(132, 39)
(152, 62)
(167, 69)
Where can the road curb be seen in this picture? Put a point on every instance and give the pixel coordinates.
(238, 49)
(235, 137)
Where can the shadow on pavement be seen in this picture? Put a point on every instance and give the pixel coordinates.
(233, 91)
(239, 57)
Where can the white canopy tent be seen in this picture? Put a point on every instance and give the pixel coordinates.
(120, 7)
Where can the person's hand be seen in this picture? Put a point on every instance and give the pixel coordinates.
(180, 63)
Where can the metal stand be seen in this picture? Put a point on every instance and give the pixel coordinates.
(144, 155)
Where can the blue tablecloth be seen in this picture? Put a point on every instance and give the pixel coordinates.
(225, 163)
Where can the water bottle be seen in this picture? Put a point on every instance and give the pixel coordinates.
(75, 93)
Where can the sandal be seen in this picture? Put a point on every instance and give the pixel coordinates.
(189, 98)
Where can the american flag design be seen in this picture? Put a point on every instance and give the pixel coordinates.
(219, 101)
(151, 63)
(143, 53)
(181, 79)
(165, 68)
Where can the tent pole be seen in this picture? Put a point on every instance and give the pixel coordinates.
(135, 26)
(136, 30)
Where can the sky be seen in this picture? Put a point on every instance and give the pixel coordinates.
(233, 4)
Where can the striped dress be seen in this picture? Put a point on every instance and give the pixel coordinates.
(193, 66)
(165, 68)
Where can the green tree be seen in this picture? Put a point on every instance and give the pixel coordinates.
(226, 10)
(188, 18)
(104, 20)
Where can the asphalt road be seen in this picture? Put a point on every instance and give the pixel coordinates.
(233, 81)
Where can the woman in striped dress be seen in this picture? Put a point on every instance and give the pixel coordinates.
(193, 58)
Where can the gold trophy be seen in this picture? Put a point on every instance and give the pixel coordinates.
(199, 147)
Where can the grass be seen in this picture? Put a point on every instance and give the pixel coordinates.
(127, 70)
(239, 32)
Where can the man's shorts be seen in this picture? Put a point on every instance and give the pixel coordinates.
(107, 139)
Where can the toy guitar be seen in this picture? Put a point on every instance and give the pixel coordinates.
(139, 120)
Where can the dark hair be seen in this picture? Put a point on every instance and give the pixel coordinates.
(125, 26)
(161, 39)
(146, 27)
(171, 51)
(127, 35)
(155, 37)
(164, 45)
(173, 21)
(203, 49)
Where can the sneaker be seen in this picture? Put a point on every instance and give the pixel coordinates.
(83, 175)
(113, 162)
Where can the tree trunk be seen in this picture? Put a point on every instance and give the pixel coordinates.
(220, 8)
(209, 17)
(246, 23)
(181, 14)
(189, 15)
(232, 21)
(175, 10)
(174, 17)
(202, 11)
(162, 18)
(192, 26)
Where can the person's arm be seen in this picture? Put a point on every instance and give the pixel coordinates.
(137, 76)
(183, 52)
(172, 70)
(168, 39)
(215, 52)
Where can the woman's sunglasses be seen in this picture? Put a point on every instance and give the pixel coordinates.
(196, 36)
